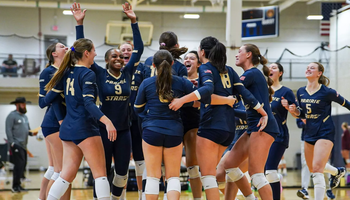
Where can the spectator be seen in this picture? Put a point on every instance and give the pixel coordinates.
(17, 131)
(9, 67)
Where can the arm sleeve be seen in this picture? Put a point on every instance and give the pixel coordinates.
(206, 88)
(188, 88)
(43, 80)
(51, 95)
(247, 96)
(291, 98)
(336, 97)
(247, 79)
(59, 108)
(242, 114)
(141, 100)
(302, 114)
(88, 83)
(300, 123)
(138, 50)
(79, 31)
(9, 125)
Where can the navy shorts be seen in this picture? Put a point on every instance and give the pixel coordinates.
(77, 142)
(190, 118)
(161, 140)
(49, 130)
(269, 129)
(313, 141)
(221, 137)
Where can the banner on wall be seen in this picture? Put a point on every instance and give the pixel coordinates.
(259, 23)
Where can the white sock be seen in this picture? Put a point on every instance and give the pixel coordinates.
(284, 171)
(140, 194)
(319, 185)
(330, 169)
(279, 171)
(165, 196)
(123, 195)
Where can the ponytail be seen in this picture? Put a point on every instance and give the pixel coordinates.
(323, 79)
(73, 54)
(217, 57)
(215, 51)
(65, 65)
(257, 59)
(163, 60)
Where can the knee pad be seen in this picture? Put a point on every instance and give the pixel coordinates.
(102, 187)
(250, 197)
(55, 176)
(272, 176)
(348, 161)
(235, 174)
(318, 179)
(174, 184)
(58, 188)
(49, 172)
(139, 167)
(209, 182)
(228, 179)
(259, 180)
(221, 185)
(193, 172)
(120, 181)
(163, 170)
(152, 186)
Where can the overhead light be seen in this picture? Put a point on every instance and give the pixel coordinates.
(314, 17)
(191, 16)
(67, 12)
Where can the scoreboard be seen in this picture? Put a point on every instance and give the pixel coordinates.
(259, 23)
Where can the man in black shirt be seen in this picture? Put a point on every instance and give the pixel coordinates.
(9, 67)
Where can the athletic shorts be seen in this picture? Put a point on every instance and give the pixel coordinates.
(161, 140)
(221, 137)
(49, 130)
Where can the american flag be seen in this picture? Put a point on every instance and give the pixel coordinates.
(326, 13)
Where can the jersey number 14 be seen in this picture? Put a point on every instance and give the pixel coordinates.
(70, 86)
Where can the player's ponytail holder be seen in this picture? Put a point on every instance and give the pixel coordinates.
(72, 48)
(162, 44)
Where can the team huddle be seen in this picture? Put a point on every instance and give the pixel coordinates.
(227, 124)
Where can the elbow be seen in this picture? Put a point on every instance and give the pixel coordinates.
(42, 103)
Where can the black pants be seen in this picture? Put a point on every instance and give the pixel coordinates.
(19, 160)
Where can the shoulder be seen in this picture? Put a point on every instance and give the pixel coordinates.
(150, 80)
(149, 60)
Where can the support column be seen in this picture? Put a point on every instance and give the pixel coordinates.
(233, 31)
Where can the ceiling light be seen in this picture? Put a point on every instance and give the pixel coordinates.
(67, 12)
(191, 16)
(314, 17)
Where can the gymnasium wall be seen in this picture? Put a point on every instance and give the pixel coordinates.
(296, 33)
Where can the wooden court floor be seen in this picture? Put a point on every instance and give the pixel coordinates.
(80, 192)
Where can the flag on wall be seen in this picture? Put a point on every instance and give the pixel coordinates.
(326, 9)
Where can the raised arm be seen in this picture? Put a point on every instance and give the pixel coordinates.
(140, 101)
(336, 97)
(137, 40)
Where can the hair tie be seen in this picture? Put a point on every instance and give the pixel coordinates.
(162, 44)
(72, 48)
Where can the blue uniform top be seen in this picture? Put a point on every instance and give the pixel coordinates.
(316, 108)
(55, 111)
(178, 68)
(220, 117)
(137, 79)
(114, 91)
(281, 113)
(79, 87)
(255, 82)
(240, 120)
(158, 117)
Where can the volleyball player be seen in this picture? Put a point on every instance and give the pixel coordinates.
(190, 120)
(315, 105)
(77, 82)
(50, 125)
(162, 128)
(216, 129)
(256, 142)
(114, 85)
(281, 142)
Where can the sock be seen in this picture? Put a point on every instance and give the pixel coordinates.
(284, 171)
(140, 194)
(123, 196)
(319, 185)
(279, 171)
(250, 197)
(276, 190)
(330, 169)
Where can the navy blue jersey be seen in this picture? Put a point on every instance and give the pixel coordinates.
(255, 82)
(281, 113)
(137, 79)
(220, 117)
(158, 117)
(316, 108)
(114, 91)
(178, 68)
(240, 120)
(80, 90)
(55, 111)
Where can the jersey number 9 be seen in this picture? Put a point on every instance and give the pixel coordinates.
(118, 89)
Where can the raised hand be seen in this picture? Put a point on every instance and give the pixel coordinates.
(285, 103)
(127, 8)
(77, 13)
